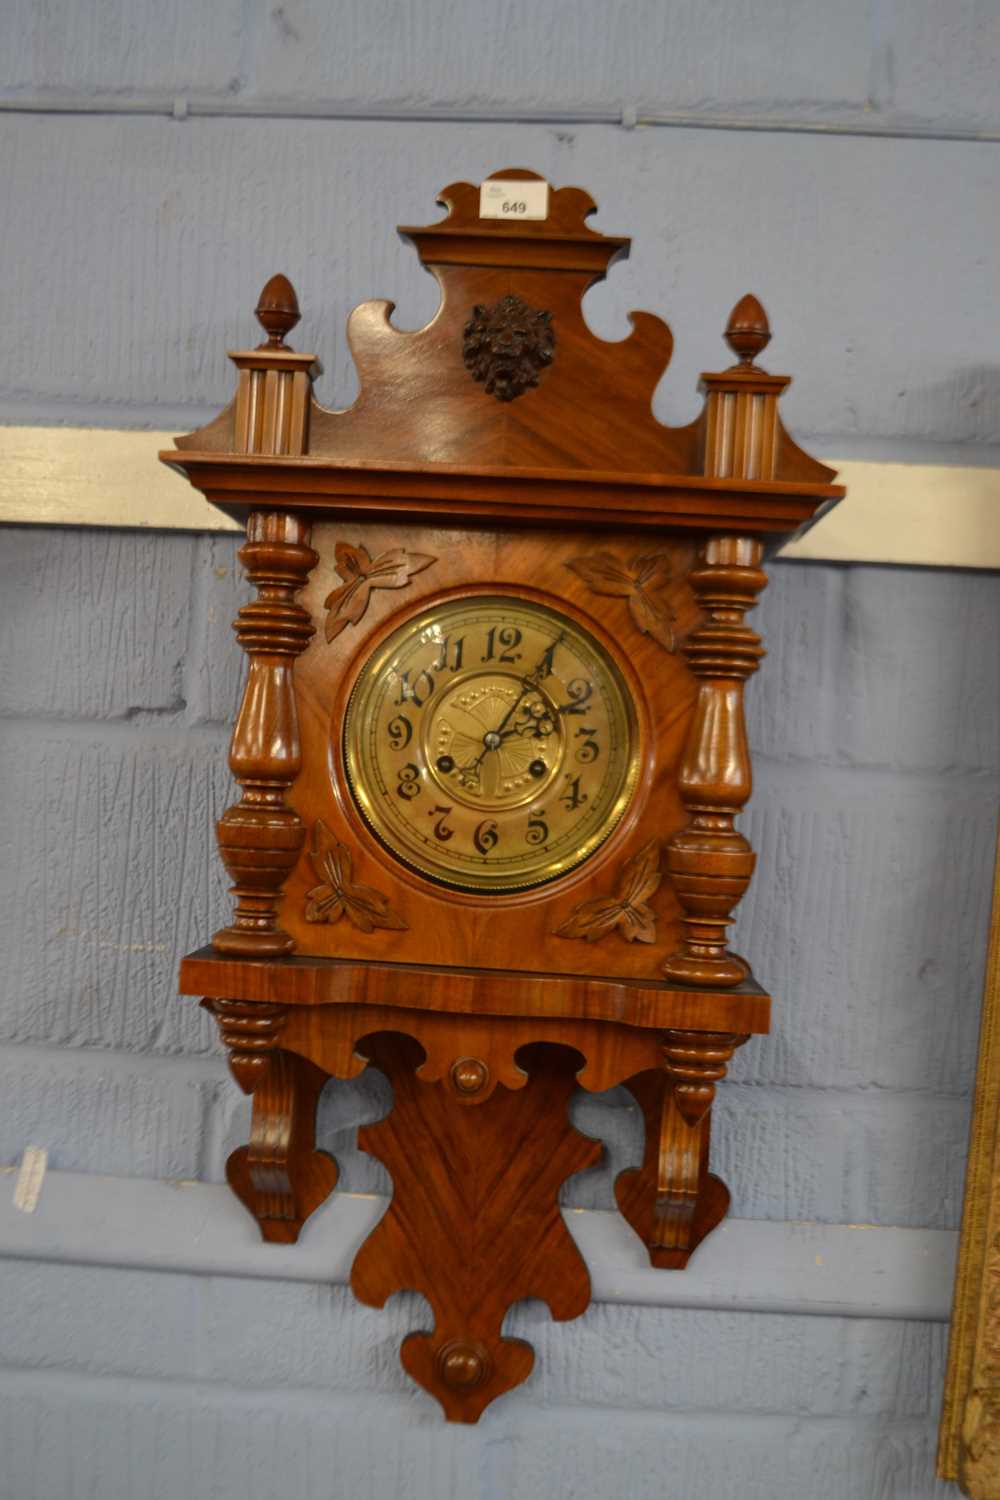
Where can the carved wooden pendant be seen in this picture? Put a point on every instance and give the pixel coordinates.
(517, 746)
(475, 1196)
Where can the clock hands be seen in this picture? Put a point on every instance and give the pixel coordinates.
(530, 683)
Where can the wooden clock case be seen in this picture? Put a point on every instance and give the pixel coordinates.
(501, 449)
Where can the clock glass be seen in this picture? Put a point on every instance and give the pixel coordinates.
(491, 743)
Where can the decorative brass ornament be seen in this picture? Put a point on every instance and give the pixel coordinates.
(507, 346)
(491, 743)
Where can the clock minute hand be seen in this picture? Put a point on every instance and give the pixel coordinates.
(532, 681)
(529, 684)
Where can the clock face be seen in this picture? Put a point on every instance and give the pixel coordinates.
(491, 743)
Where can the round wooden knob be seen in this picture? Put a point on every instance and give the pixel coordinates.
(463, 1365)
(469, 1075)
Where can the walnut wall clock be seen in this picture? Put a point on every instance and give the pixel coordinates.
(491, 750)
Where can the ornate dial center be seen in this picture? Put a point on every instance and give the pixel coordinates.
(491, 743)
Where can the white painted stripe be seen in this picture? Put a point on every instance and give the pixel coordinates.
(747, 1265)
(931, 515)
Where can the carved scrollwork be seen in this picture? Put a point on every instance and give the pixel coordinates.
(627, 910)
(507, 346)
(637, 582)
(362, 573)
(337, 895)
(279, 1175)
(672, 1201)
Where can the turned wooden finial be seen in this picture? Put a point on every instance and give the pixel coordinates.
(747, 332)
(277, 311)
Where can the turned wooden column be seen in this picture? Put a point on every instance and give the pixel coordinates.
(261, 837)
(709, 863)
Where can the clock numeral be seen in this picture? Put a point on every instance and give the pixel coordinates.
(418, 693)
(409, 782)
(400, 732)
(590, 749)
(580, 691)
(572, 797)
(538, 829)
(508, 637)
(453, 648)
(545, 666)
(440, 830)
(486, 836)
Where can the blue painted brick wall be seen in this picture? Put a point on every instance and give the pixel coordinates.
(134, 246)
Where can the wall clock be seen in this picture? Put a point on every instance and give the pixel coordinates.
(491, 751)
(491, 742)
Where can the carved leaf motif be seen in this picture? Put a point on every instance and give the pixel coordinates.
(628, 910)
(636, 582)
(603, 574)
(337, 895)
(361, 573)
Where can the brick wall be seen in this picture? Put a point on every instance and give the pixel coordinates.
(134, 247)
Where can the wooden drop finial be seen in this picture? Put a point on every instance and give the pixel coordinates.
(748, 331)
(277, 310)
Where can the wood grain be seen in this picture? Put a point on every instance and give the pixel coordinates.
(483, 1185)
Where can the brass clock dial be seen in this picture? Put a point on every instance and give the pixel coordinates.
(491, 743)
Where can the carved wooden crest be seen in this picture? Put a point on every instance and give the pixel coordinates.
(507, 346)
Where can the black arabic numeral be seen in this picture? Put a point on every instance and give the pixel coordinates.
(590, 749)
(545, 666)
(538, 829)
(508, 637)
(409, 782)
(486, 836)
(580, 692)
(451, 648)
(440, 830)
(418, 693)
(400, 732)
(572, 797)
